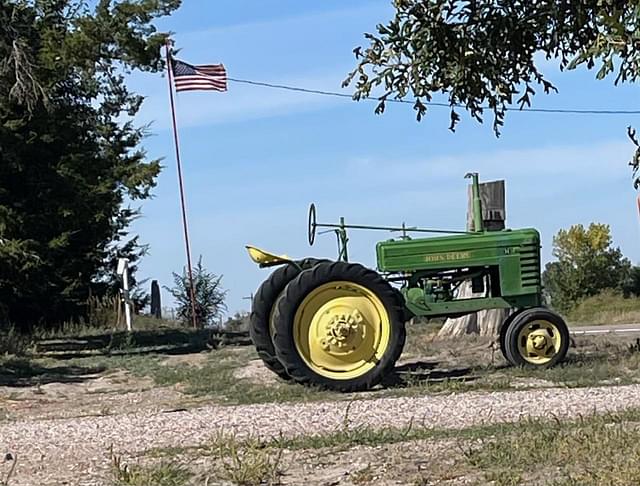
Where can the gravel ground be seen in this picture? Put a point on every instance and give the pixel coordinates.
(75, 451)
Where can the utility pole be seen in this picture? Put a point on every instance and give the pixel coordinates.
(249, 298)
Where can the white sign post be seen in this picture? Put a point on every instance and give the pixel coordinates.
(123, 270)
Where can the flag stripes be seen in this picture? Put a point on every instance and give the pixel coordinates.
(204, 77)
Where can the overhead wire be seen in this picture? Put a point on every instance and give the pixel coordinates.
(299, 89)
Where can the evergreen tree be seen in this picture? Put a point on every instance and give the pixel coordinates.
(209, 296)
(70, 154)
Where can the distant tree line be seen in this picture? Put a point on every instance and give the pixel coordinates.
(587, 264)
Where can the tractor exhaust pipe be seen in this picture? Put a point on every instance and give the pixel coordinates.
(476, 202)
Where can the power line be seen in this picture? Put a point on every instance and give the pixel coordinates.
(566, 111)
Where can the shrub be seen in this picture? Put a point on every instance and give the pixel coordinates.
(209, 296)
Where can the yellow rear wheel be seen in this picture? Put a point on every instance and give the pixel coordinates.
(341, 330)
(339, 326)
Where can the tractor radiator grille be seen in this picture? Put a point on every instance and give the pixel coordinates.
(530, 265)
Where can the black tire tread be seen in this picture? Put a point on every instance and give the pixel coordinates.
(293, 295)
(263, 301)
(503, 333)
(511, 345)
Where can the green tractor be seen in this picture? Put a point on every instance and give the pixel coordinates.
(341, 326)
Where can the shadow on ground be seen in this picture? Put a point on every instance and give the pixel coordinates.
(25, 373)
(168, 342)
(412, 373)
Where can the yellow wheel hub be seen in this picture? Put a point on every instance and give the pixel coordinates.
(539, 341)
(341, 330)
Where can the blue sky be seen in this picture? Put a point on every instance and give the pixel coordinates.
(254, 158)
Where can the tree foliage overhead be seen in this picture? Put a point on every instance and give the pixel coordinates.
(635, 160)
(587, 264)
(70, 158)
(485, 54)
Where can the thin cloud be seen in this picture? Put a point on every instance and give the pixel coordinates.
(281, 24)
(269, 60)
(594, 161)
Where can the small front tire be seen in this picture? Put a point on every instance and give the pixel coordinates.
(536, 338)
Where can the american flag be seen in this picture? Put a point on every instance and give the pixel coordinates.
(204, 77)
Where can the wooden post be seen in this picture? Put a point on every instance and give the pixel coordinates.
(486, 322)
(123, 271)
(156, 306)
(492, 195)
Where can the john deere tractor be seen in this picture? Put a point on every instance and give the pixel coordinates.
(341, 326)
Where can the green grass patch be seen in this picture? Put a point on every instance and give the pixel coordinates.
(217, 378)
(214, 376)
(234, 375)
(162, 474)
(608, 307)
(225, 375)
(244, 462)
(619, 367)
(593, 450)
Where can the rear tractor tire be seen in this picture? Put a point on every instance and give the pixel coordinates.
(536, 338)
(262, 313)
(339, 326)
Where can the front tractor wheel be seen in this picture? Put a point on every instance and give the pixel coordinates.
(339, 326)
(536, 338)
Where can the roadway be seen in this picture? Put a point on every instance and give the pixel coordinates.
(605, 329)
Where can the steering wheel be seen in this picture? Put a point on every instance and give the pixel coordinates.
(311, 228)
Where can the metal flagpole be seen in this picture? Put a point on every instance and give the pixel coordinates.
(181, 184)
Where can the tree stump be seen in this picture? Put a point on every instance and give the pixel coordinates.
(486, 322)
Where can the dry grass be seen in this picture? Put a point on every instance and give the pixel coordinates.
(428, 366)
(244, 462)
(606, 308)
(162, 474)
(12, 343)
(592, 450)
(433, 365)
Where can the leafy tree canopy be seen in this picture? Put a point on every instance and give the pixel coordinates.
(635, 160)
(587, 264)
(70, 156)
(485, 55)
